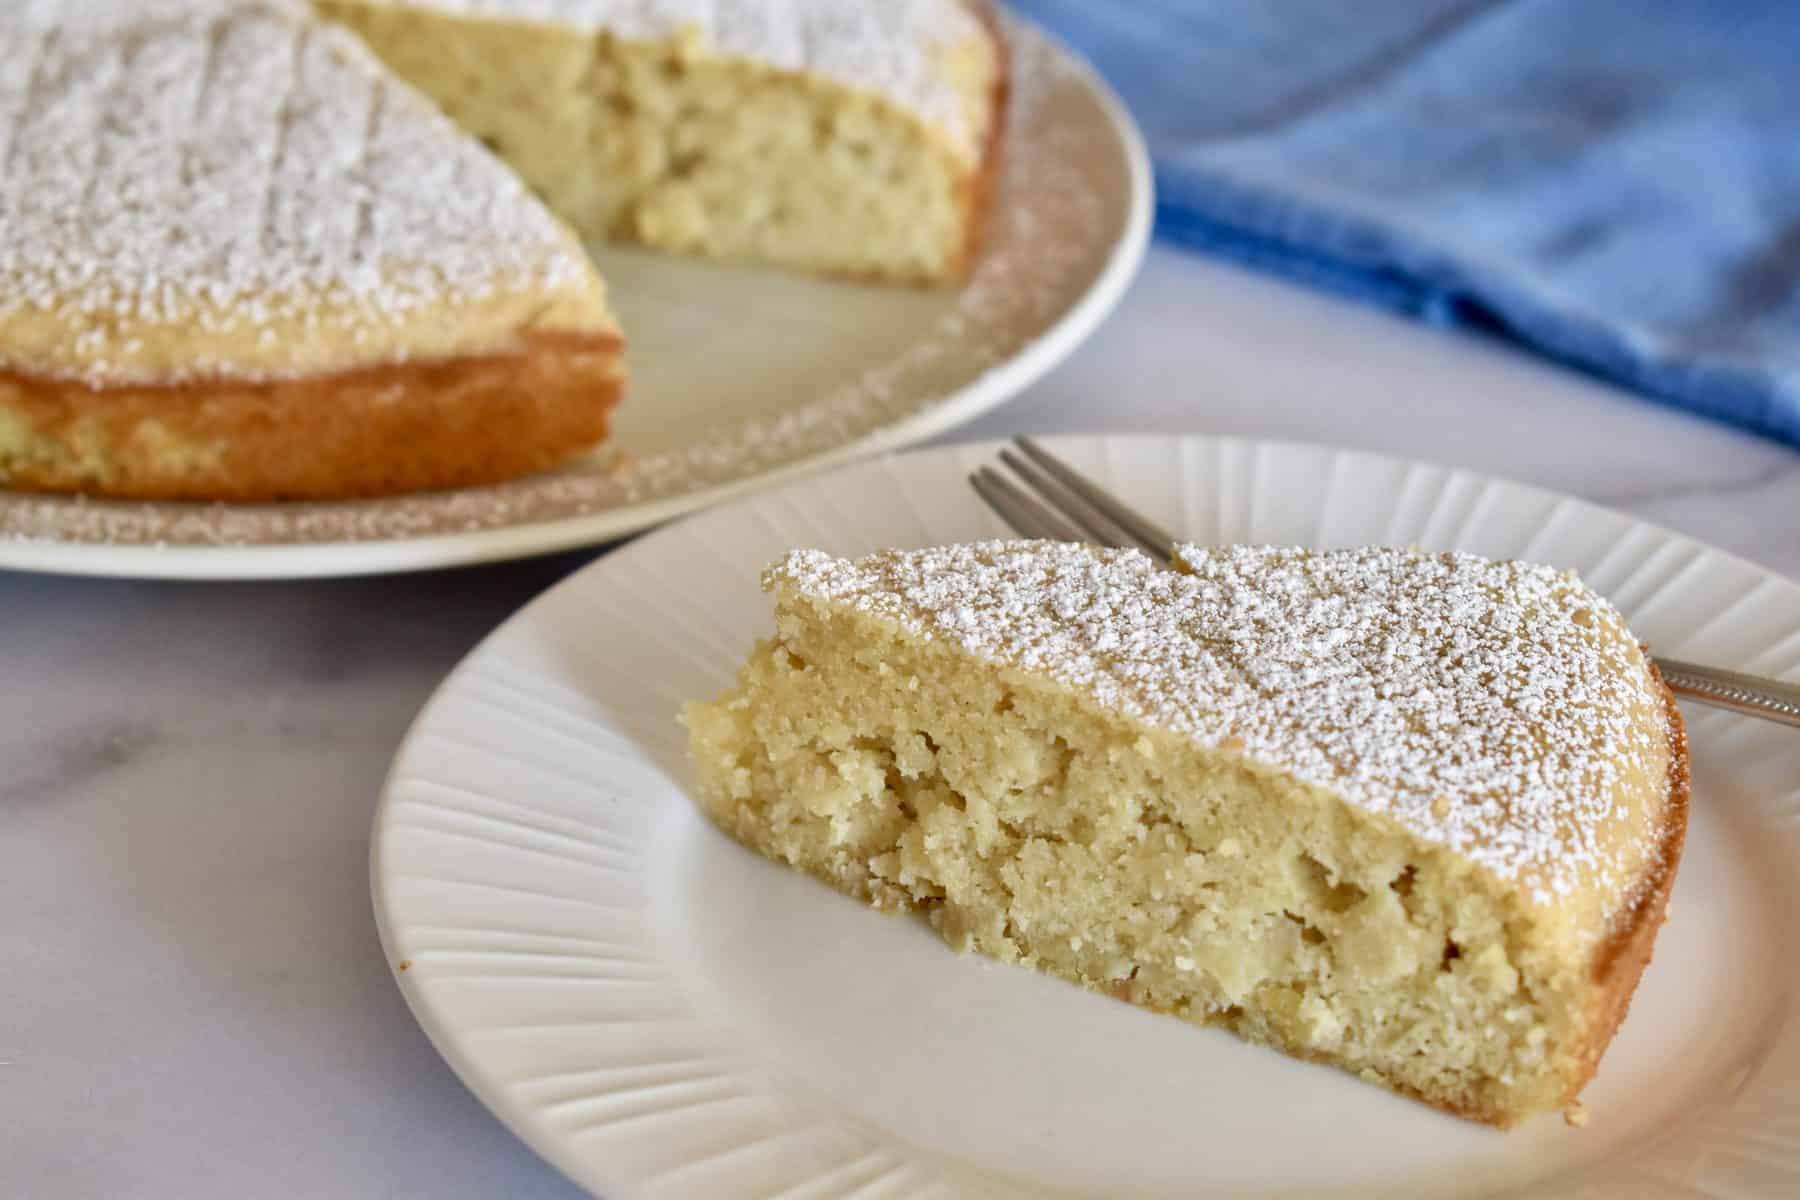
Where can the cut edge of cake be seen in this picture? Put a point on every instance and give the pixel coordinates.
(1338, 938)
(851, 140)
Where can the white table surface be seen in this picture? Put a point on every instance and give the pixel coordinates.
(192, 1000)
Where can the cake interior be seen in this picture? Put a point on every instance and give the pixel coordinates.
(1025, 823)
(654, 143)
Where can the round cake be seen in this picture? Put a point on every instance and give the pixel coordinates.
(242, 258)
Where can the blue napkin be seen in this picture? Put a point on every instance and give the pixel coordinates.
(1613, 183)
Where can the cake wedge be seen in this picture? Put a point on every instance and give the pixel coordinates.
(1413, 815)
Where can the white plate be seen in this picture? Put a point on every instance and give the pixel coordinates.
(739, 376)
(660, 1013)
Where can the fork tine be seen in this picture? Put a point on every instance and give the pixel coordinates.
(1153, 538)
(1016, 508)
(1067, 504)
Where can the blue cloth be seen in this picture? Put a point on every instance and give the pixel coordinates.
(1614, 183)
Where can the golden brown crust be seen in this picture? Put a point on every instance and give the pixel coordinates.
(978, 190)
(370, 432)
(1621, 959)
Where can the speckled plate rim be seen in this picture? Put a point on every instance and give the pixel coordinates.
(567, 773)
(986, 390)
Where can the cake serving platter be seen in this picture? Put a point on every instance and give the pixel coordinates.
(659, 1012)
(740, 376)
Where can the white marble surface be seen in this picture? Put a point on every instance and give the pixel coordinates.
(192, 1001)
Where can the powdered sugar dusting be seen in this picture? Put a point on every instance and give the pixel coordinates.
(228, 167)
(1491, 707)
(903, 50)
(1057, 218)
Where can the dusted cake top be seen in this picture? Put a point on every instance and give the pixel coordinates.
(1497, 708)
(249, 183)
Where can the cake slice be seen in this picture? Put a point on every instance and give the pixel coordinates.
(1414, 815)
(239, 260)
(852, 137)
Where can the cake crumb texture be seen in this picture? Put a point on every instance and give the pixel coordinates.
(1409, 814)
(838, 136)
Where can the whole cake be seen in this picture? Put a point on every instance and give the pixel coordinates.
(241, 259)
(1414, 815)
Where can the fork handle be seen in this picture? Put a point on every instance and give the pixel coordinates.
(1767, 698)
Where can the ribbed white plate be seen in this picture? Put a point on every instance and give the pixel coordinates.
(739, 376)
(661, 1013)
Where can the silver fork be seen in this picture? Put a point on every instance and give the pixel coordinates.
(1060, 503)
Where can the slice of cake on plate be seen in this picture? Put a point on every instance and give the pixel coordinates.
(1414, 815)
(855, 137)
